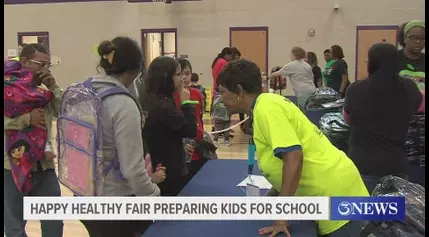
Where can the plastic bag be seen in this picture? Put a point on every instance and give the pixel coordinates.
(415, 144)
(335, 129)
(322, 96)
(414, 224)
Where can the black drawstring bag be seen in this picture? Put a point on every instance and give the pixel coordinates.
(415, 144)
(322, 96)
(414, 224)
(206, 148)
(336, 130)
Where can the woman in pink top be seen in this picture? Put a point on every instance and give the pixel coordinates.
(219, 63)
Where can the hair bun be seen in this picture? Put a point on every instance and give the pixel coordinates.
(105, 48)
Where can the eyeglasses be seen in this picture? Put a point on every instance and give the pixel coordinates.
(42, 64)
(414, 38)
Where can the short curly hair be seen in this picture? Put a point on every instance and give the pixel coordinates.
(298, 52)
(241, 72)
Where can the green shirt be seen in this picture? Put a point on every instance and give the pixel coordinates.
(23, 121)
(281, 127)
(327, 66)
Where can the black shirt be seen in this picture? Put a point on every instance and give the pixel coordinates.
(317, 74)
(334, 75)
(411, 67)
(163, 133)
(379, 128)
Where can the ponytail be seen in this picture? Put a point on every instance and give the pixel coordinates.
(215, 60)
(225, 51)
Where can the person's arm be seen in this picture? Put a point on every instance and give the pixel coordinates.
(185, 124)
(274, 125)
(348, 103)
(343, 71)
(285, 72)
(56, 101)
(422, 107)
(317, 73)
(17, 123)
(129, 144)
(292, 168)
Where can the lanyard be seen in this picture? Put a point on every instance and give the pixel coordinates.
(251, 147)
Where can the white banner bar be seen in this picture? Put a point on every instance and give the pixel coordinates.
(176, 208)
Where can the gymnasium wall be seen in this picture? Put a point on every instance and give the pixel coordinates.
(203, 27)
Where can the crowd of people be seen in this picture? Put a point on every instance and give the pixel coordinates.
(158, 111)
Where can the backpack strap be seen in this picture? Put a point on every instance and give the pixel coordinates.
(114, 164)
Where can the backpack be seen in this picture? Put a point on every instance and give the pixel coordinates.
(414, 224)
(219, 110)
(202, 91)
(81, 166)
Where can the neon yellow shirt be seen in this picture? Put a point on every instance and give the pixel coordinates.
(280, 127)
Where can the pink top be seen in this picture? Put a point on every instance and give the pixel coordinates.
(217, 68)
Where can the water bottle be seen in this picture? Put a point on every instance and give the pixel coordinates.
(251, 156)
(192, 143)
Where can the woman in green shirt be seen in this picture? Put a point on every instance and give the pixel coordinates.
(282, 135)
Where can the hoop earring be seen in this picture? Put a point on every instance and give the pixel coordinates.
(239, 98)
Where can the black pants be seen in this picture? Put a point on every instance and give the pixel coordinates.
(126, 228)
(241, 116)
(194, 167)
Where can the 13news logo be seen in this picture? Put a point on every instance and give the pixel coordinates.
(368, 208)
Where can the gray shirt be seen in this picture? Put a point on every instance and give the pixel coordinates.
(122, 133)
(301, 76)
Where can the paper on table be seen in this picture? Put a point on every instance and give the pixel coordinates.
(257, 180)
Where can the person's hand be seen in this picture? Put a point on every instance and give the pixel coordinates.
(159, 175)
(419, 79)
(37, 117)
(46, 78)
(189, 149)
(49, 155)
(185, 94)
(277, 228)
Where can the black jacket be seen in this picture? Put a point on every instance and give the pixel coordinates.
(164, 129)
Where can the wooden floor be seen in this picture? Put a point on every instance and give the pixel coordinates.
(237, 150)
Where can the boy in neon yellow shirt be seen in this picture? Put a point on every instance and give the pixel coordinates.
(293, 154)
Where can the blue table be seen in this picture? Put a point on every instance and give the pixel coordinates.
(219, 178)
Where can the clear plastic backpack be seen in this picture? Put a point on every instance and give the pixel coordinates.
(81, 166)
(219, 110)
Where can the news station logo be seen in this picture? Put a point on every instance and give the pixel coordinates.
(368, 208)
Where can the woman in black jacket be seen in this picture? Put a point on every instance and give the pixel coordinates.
(165, 126)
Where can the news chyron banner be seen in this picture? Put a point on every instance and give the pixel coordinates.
(214, 208)
(368, 208)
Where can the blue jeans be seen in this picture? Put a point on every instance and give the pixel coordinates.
(45, 183)
(351, 229)
(302, 100)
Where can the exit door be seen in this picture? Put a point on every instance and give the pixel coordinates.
(158, 42)
(34, 38)
(368, 36)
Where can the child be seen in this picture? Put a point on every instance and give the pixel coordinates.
(194, 84)
(194, 160)
(221, 120)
